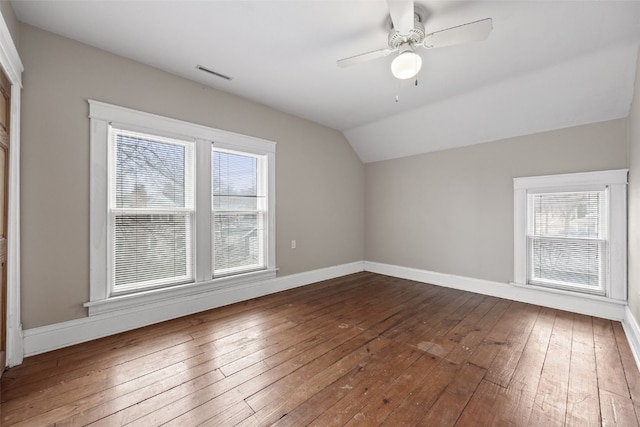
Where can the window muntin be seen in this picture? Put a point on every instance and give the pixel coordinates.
(239, 211)
(151, 211)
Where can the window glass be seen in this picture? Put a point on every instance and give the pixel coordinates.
(566, 242)
(152, 210)
(238, 206)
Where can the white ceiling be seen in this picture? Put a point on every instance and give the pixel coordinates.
(546, 65)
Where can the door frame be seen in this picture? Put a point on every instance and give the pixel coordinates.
(12, 66)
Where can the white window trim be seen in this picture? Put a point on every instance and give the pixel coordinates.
(616, 180)
(102, 115)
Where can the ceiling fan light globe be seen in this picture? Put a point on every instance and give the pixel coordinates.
(406, 65)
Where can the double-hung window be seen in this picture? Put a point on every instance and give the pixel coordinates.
(176, 208)
(151, 210)
(238, 212)
(567, 239)
(570, 232)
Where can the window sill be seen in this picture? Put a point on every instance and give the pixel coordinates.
(582, 290)
(134, 300)
(586, 295)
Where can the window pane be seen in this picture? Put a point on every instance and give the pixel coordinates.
(566, 262)
(238, 208)
(151, 199)
(152, 249)
(237, 241)
(151, 172)
(235, 182)
(568, 214)
(566, 242)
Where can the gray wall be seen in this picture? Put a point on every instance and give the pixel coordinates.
(634, 200)
(452, 211)
(320, 180)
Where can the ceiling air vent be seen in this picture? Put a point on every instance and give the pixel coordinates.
(206, 70)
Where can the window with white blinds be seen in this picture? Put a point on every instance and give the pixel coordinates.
(151, 210)
(238, 212)
(177, 209)
(570, 233)
(567, 239)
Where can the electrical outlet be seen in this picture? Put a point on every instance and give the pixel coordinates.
(293, 244)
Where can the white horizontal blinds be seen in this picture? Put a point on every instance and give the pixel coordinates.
(238, 212)
(152, 210)
(567, 238)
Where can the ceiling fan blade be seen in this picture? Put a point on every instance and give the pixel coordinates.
(353, 60)
(401, 12)
(472, 32)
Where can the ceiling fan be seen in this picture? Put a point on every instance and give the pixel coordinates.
(407, 33)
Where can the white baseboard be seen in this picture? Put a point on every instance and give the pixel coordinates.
(51, 337)
(632, 331)
(562, 300)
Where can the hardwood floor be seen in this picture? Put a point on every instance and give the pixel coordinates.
(364, 349)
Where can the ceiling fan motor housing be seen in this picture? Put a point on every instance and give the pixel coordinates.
(415, 36)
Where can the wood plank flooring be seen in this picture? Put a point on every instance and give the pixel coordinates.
(361, 350)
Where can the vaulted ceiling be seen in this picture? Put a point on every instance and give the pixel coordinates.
(546, 64)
